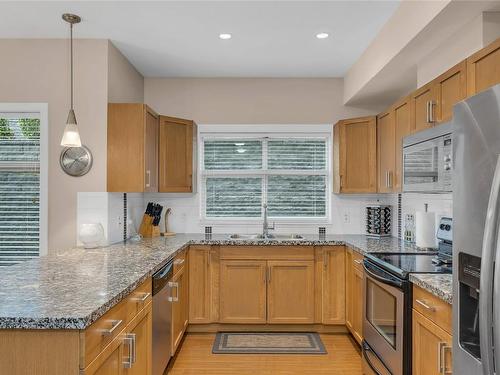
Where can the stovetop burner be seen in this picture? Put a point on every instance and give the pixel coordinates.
(402, 265)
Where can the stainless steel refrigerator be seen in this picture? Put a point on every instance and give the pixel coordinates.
(476, 240)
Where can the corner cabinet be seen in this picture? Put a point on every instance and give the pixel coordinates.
(177, 155)
(132, 148)
(355, 155)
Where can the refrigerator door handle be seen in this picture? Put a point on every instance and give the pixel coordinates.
(487, 272)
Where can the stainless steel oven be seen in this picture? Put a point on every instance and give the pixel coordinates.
(427, 160)
(386, 324)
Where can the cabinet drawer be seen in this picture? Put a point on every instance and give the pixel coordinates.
(267, 252)
(432, 308)
(180, 261)
(107, 327)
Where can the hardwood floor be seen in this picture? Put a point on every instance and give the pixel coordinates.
(195, 357)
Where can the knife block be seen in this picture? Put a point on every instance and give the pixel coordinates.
(147, 229)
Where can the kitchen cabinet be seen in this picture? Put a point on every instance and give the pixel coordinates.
(483, 68)
(423, 107)
(386, 148)
(132, 148)
(431, 347)
(200, 284)
(237, 306)
(290, 297)
(355, 155)
(354, 294)
(177, 155)
(180, 306)
(403, 127)
(333, 284)
(451, 88)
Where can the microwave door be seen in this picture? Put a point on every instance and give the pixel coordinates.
(421, 167)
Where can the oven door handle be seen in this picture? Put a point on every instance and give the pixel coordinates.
(378, 274)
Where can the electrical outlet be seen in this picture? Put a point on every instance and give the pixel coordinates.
(120, 220)
(346, 218)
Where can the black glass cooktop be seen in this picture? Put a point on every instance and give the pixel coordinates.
(404, 264)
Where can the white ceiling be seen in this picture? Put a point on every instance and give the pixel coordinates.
(180, 38)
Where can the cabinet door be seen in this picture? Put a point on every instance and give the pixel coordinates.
(349, 298)
(452, 88)
(358, 155)
(403, 128)
(176, 155)
(334, 285)
(151, 150)
(290, 297)
(386, 139)
(358, 304)
(431, 347)
(199, 284)
(111, 365)
(137, 347)
(242, 291)
(423, 107)
(179, 308)
(483, 68)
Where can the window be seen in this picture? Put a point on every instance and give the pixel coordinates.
(289, 174)
(21, 197)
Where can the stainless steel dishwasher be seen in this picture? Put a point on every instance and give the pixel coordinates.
(162, 318)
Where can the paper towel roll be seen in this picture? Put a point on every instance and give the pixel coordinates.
(425, 228)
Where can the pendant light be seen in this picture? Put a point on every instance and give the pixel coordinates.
(71, 136)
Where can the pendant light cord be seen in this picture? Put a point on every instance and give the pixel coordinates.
(71, 61)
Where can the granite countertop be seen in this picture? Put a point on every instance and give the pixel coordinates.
(441, 285)
(73, 288)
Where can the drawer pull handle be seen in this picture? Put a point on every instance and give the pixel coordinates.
(143, 298)
(114, 325)
(358, 261)
(425, 306)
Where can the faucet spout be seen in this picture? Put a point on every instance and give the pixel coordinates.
(265, 223)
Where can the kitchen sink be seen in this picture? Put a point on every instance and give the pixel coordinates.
(243, 237)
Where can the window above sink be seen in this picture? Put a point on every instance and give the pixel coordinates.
(289, 172)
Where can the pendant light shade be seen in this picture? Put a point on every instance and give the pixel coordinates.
(71, 135)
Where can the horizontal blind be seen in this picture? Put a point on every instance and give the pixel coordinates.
(233, 196)
(296, 196)
(232, 154)
(297, 154)
(19, 189)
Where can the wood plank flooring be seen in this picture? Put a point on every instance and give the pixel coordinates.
(195, 357)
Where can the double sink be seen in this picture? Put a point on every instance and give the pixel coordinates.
(261, 237)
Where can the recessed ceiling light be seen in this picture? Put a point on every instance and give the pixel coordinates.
(225, 36)
(322, 35)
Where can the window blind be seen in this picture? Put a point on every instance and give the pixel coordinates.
(289, 174)
(19, 188)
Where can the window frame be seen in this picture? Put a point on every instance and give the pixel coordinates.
(42, 110)
(259, 132)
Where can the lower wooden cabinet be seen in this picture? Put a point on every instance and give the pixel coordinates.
(354, 294)
(243, 291)
(333, 292)
(130, 352)
(180, 307)
(431, 347)
(290, 297)
(200, 284)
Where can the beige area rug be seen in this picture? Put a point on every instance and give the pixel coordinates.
(268, 343)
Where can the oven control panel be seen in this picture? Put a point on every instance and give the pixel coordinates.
(445, 229)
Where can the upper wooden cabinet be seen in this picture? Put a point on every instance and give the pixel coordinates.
(483, 68)
(355, 155)
(433, 102)
(132, 148)
(403, 127)
(386, 147)
(177, 155)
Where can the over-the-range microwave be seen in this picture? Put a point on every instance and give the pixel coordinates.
(427, 160)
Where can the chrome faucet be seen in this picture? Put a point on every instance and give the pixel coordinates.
(265, 224)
